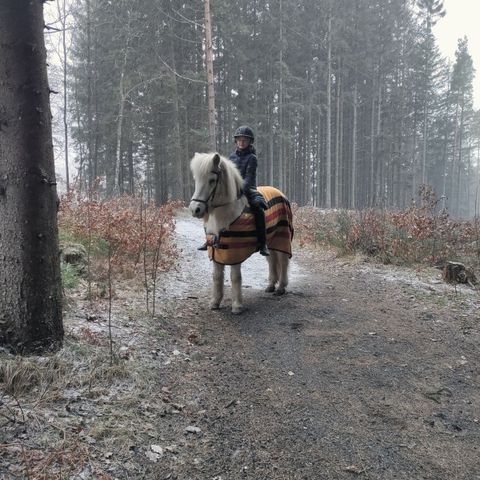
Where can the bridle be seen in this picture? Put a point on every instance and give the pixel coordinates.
(212, 195)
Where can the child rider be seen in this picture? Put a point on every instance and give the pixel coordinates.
(246, 161)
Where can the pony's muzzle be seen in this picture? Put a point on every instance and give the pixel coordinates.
(197, 209)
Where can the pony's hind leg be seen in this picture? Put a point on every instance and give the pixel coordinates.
(217, 294)
(283, 261)
(236, 278)
(272, 271)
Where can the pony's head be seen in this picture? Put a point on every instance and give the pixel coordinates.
(217, 183)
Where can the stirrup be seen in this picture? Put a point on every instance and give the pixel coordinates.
(263, 250)
(203, 247)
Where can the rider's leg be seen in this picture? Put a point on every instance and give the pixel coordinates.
(259, 215)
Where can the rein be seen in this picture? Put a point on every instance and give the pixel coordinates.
(212, 195)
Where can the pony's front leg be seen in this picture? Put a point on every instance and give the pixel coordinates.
(236, 278)
(218, 274)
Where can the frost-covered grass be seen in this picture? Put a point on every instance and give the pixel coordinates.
(68, 412)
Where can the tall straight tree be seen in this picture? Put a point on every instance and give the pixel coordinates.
(30, 285)
(462, 89)
(328, 162)
(210, 76)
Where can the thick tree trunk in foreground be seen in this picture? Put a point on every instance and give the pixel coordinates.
(30, 284)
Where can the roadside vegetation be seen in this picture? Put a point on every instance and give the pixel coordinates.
(122, 238)
(423, 234)
(66, 414)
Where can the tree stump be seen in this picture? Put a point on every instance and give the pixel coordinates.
(456, 272)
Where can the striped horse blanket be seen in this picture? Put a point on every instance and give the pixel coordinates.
(236, 244)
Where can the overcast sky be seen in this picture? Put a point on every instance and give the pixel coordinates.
(463, 18)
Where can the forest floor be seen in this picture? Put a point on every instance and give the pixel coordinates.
(361, 371)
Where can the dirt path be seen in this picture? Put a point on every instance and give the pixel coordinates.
(358, 372)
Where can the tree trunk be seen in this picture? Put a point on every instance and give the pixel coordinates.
(318, 165)
(271, 179)
(424, 151)
(353, 192)
(307, 195)
(131, 168)
(379, 173)
(90, 133)
(30, 284)
(414, 154)
(62, 12)
(210, 77)
(371, 183)
(159, 166)
(118, 186)
(337, 139)
(178, 180)
(328, 179)
(460, 158)
(454, 156)
(281, 173)
(445, 146)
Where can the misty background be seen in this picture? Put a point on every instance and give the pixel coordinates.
(355, 103)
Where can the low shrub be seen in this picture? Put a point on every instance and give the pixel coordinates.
(419, 234)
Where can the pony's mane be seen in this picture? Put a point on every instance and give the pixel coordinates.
(231, 181)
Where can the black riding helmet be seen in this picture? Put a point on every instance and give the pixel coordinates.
(244, 131)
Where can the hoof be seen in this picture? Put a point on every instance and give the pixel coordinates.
(237, 310)
(214, 306)
(270, 289)
(280, 291)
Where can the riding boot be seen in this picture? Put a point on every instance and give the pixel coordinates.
(259, 215)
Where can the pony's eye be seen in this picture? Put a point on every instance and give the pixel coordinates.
(211, 181)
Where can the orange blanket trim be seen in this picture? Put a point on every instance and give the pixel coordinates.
(236, 244)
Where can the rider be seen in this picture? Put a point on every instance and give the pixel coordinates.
(246, 161)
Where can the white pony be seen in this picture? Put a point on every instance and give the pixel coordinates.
(219, 200)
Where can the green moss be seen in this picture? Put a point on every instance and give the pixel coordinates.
(70, 276)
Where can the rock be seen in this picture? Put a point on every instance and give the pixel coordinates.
(157, 449)
(192, 429)
(152, 456)
(456, 272)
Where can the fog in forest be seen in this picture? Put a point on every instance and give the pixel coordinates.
(352, 102)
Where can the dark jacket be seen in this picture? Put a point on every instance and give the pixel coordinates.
(246, 162)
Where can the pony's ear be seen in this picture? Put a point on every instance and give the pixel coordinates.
(216, 160)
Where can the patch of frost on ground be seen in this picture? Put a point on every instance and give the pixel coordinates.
(428, 280)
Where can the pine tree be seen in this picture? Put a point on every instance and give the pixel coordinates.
(30, 283)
